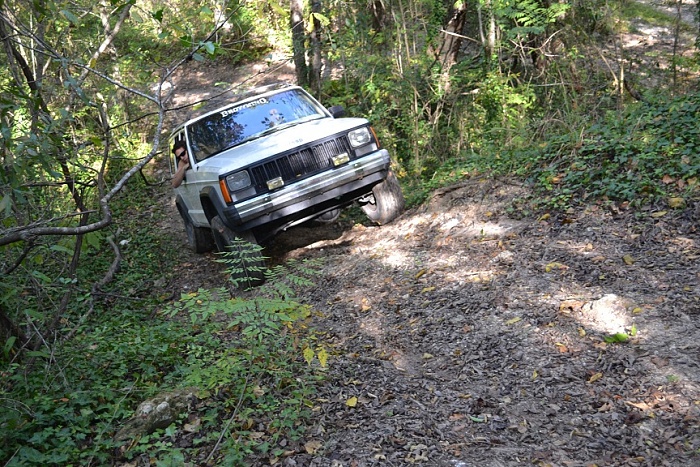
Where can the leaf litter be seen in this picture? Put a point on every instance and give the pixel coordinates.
(556, 365)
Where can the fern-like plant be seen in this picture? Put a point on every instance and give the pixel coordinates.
(246, 264)
(273, 305)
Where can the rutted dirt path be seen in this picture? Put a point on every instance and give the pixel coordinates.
(470, 338)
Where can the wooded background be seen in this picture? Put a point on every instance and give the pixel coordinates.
(551, 91)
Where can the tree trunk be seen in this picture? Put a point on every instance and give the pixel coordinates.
(452, 42)
(378, 14)
(298, 41)
(315, 70)
(487, 21)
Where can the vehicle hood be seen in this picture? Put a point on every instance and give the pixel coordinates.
(275, 143)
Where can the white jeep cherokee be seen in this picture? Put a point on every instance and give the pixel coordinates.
(274, 158)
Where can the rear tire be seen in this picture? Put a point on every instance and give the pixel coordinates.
(327, 217)
(249, 268)
(386, 202)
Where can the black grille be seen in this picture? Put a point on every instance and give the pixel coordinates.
(299, 164)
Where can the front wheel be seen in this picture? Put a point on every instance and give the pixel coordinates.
(245, 259)
(199, 239)
(386, 202)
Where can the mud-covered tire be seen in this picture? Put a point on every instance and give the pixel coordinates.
(250, 271)
(199, 239)
(386, 202)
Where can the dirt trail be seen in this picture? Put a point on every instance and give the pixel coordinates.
(470, 337)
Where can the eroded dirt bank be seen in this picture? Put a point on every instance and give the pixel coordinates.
(472, 338)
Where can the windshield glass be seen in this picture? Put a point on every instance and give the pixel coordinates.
(242, 122)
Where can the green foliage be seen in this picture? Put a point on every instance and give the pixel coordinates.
(273, 306)
(244, 261)
(651, 151)
(257, 361)
(621, 337)
(67, 411)
(559, 124)
(648, 152)
(524, 17)
(245, 351)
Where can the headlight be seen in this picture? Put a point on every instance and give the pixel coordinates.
(359, 137)
(238, 181)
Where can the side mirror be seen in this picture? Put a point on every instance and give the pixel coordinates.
(337, 111)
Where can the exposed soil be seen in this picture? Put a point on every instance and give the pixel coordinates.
(468, 337)
(472, 336)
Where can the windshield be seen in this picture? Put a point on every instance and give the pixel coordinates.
(239, 123)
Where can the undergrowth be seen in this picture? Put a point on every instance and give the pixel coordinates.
(252, 363)
(646, 154)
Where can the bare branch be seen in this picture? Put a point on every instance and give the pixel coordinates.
(108, 277)
(33, 232)
(110, 35)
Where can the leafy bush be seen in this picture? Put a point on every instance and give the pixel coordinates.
(259, 362)
(65, 410)
(651, 151)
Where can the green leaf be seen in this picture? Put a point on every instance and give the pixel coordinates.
(198, 57)
(618, 337)
(5, 204)
(321, 19)
(8, 346)
(210, 47)
(323, 357)
(157, 15)
(38, 353)
(61, 249)
(308, 355)
(41, 276)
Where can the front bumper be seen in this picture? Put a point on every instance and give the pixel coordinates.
(353, 180)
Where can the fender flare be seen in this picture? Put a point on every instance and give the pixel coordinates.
(211, 203)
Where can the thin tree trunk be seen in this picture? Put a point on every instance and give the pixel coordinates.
(315, 70)
(452, 42)
(488, 37)
(298, 41)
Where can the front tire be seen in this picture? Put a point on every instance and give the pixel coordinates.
(199, 239)
(247, 265)
(386, 202)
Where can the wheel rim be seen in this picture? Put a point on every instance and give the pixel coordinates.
(371, 205)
